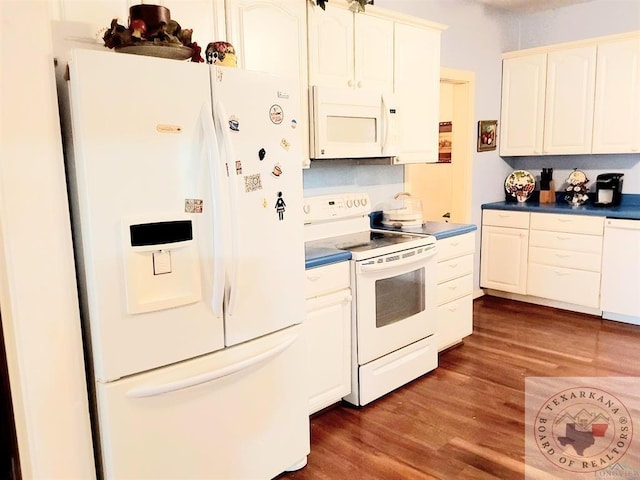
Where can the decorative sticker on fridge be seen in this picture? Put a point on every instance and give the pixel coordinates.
(284, 143)
(238, 167)
(262, 153)
(193, 205)
(234, 123)
(264, 203)
(275, 114)
(294, 123)
(280, 206)
(252, 183)
(277, 170)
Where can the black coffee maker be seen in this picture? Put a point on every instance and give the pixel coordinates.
(608, 189)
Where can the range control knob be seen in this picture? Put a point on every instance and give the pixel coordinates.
(357, 202)
(364, 201)
(349, 203)
(306, 208)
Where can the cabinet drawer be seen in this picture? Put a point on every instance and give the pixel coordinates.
(453, 289)
(566, 258)
(325, 279)
(505, 218)
(455, 321)
(454, 268)
(564, 284)
(455, 246)
(567, 223)
(575, 242)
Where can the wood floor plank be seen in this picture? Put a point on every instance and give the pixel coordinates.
(465, 420)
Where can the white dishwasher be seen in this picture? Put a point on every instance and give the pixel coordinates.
(621, 271)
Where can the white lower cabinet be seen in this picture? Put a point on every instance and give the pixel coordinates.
(561, 260)
(455, 289)
(327, 329)
(565, 258)
(504, 250)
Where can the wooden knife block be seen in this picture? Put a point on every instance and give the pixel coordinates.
(548, 196)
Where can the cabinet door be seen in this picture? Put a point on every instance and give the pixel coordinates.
(417, 92)
(331, 61)
(522, 115)
(503, 259)
(568, 125)
(327, 328)
(373, 45)
(616, 125)
(270, 36)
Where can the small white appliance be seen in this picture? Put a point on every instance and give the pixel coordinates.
(186, 189)
(393, 283)
(352, 123)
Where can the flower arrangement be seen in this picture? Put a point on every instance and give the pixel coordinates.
(356, 5)
(576, 191)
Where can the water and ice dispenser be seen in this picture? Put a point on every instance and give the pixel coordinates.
(162, 265)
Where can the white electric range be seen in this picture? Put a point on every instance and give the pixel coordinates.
(393, 283)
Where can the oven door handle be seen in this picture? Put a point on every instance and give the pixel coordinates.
(373, 267)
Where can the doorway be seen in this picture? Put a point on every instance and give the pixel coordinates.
(445, 188)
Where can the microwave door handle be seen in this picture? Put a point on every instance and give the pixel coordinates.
(386, 122)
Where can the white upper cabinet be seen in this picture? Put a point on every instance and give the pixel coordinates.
(350, 50)
(523, 95)
(591, 95)
(568, 122)
(616, 126)
(271, 36)
(417, 91)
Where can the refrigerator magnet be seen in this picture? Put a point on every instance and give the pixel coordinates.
(275, 114)
(284, 143)
(262, 153)
(277, 170)
(280, 206)
(264, 203)
(252, 183)
(294, 123)
(193, 205)
(238, 167)
(234, 123)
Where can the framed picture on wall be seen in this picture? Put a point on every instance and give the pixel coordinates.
(445, 142)
(487, 135)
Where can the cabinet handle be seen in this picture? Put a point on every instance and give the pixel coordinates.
(560, 237)
(452, 309)
(561, 274)
(564, 220)
(313, 278)
(453, 265)
(455, 244)
(563, 255)
(452, 287)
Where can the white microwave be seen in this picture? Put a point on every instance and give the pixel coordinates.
(350, 123)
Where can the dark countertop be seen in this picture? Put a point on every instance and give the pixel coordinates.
(629, 207)
(318, 256)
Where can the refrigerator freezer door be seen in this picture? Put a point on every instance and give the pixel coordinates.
(142, 209)
(239, 413)
(256, 115)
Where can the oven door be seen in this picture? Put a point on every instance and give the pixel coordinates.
(395, 301)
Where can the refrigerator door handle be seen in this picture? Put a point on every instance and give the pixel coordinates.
(220, 113)
(213, 375)
(213, 157)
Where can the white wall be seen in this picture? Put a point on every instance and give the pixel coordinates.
(37, 278)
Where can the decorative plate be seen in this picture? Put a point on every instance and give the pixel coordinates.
(175, 52)
(577, 177)
(520, 184)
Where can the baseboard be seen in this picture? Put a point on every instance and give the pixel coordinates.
(544, 302)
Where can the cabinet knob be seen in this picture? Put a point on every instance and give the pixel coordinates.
(350, 83)
(359, 84)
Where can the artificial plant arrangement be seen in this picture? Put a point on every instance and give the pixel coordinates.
(356, 5)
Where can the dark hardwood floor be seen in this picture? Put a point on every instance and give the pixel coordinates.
(465, 420)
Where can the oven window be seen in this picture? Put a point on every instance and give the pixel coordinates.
(399, 297)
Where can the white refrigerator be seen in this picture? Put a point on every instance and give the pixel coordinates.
(185, 188)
